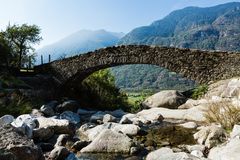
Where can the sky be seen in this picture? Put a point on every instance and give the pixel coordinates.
(59, 18)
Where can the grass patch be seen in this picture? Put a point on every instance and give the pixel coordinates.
(224, 113)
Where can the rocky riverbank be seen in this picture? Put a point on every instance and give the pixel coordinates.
(170, 127)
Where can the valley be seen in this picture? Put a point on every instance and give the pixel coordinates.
(168, 90)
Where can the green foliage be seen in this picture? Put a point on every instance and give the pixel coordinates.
(18, 41)
(5, 51)
(135, 99)
(9, 81)
(100, 91)
(199, 91)
(135, 104)
(148, 77)
(14, 103)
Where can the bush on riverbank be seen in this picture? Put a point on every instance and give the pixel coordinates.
(14, 103)
(199, 91)
(99, 91)
(135, 99)
(9, 81)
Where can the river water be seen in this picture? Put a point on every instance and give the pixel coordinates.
(166, 134)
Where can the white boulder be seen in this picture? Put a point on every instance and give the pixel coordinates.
(210, 135)
(168, 154)
(109, 141)
(127, 129)
(60, 126)
(235, 132)
(109, 118)
(6, 119)
(25, 123)
(165, 99)
(228, 151)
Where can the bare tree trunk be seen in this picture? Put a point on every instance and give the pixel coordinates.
(20, 59)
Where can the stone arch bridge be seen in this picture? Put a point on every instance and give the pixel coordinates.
(198, 65)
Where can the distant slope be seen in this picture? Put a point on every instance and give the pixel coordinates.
(213, 28)
(80, 42)
(148, 77)
(192, 27)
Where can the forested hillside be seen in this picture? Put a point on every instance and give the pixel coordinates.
(213, 28)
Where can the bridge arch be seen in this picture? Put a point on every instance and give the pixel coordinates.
(201, 66)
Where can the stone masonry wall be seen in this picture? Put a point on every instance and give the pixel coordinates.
(201, 66)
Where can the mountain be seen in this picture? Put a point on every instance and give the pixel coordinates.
(215, 28)
(80, 42)
(212, 28)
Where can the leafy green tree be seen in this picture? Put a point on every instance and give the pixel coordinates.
(21, 39)
(4, 51)
(101, 92)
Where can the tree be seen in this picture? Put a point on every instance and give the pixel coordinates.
(99, 90)
(21, 39)
(5, 51)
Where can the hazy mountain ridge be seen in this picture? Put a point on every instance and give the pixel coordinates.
(80, 42)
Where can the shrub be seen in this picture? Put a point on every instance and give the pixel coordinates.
(136, 106)
(224, 113)
(9, 81)
(14, 104)
(199, 91)
(135, 100)
(100, 92)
